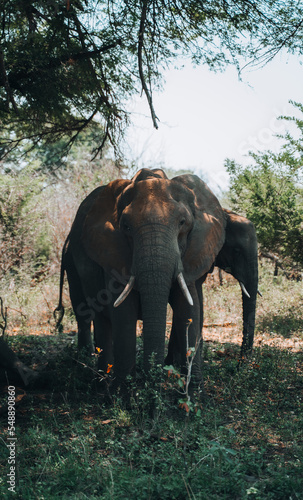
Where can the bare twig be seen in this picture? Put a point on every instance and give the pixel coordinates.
(18, 311)
(140, 63)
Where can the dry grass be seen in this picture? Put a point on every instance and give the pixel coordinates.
(279, 316)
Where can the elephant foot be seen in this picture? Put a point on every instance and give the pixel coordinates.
(246, 352)
(120, 390)
(85, 342)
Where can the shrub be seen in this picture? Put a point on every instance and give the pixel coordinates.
(270, 193)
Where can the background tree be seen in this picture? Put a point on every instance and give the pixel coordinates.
(65, 65)
(270, 193)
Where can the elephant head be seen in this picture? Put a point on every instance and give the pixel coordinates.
(164, 234)
(239, 257)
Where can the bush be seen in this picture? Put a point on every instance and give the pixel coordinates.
(23, 238)
(269, 192)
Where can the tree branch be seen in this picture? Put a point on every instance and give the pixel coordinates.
(140, 63)
(56, 62)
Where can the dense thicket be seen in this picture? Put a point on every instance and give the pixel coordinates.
(66, 65)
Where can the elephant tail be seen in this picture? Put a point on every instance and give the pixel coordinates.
(59, 311)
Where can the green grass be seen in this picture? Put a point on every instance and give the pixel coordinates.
(244, 441)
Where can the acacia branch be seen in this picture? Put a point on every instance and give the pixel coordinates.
(58, 61)
(51, 132)
(270, 54)
(106, 136)
(140, 63)
(91, 67)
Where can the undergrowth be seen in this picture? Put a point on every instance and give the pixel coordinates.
(242, 440)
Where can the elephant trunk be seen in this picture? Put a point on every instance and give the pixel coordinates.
(156, 261)
(154, 295)
(249, 307)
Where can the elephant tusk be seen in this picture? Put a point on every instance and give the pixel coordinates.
(184, 289)
(128, 288)
(244, 289)
(260, 293)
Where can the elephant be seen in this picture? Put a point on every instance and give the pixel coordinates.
(239, 257)
(135, 246)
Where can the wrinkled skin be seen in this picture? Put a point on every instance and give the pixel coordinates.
(153, 229)
(239, 257)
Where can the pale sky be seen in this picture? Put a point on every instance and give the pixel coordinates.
(206, 117)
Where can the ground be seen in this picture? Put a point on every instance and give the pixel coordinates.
(243, 439)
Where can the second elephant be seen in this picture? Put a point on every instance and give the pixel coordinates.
(239, 257)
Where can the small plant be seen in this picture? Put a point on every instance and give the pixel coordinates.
(182, 381)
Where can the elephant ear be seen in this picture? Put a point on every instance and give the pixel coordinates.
(208, 233)
(101, 237)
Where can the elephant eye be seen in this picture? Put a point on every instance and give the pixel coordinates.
(182, 222)
(125, 225)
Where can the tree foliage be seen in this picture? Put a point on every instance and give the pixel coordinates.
(270, 193)
(65, 65)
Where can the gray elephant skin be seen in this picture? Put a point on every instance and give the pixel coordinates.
(135, 246)
(239, 257)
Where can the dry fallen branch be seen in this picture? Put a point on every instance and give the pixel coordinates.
(292, 274)
(222, 325)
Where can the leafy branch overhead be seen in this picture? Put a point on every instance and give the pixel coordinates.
(66, 65)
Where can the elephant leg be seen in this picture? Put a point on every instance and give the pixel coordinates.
(124, 322)
(84, 335)
(249, 314)
(83, 312)
(186, 333)
(103, 342)
(173, 348)
(201, 313)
